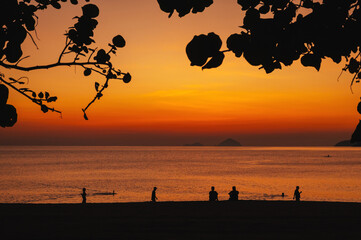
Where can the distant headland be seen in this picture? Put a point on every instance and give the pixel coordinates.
(347, 143)
(229, 142)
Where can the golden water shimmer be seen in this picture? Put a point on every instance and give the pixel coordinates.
(58, 174)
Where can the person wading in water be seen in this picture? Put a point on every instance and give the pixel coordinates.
(297, 194)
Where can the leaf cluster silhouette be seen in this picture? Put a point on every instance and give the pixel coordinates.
(183, 7)
(276, 33)
(18, 20)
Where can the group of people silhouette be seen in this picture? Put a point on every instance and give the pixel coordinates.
(213, 195)
(233, 195)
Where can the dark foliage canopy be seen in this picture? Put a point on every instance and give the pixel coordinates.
(276, 33)
(18, 20)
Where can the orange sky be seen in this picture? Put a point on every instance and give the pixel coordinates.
(169, 102)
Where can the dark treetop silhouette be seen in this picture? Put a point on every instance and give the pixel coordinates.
(18, 21)
(279, 32)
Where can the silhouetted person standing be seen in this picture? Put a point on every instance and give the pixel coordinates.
(233, 195)
(297, 194)
(83, 195)
(213, 195)
(154, 197)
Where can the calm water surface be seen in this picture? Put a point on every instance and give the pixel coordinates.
(57, 174)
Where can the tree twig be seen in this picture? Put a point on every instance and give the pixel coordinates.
(66, 46)
(99, 93)
(27, 96)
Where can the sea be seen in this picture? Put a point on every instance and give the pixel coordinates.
(111, 174)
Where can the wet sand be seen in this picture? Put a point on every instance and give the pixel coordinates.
(182, 220)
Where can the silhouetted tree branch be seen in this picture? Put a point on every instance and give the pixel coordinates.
(18, 20)
(58, 64)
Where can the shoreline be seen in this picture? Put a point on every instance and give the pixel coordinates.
(184, 202)
(243, 219)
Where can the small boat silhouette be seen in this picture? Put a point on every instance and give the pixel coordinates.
(105, 193)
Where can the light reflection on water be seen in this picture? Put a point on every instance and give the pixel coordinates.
(57, 174)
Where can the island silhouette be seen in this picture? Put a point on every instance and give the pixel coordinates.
(230, 143)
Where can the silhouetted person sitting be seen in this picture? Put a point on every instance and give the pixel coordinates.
(154, 197)
(83, 195)
(233, 195)
(297, 194)
(213, 195)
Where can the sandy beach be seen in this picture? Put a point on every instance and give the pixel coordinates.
(182, 220)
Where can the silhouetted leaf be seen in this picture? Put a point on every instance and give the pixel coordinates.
(47, 95)
(13, 52)
(41, 95)
(237, 43)
(85, 116)
(8, 116)
(251, 18)
(203, 47)
(87, 72)
(4, 94)
(44, 108)
(33, 94)
(245, 4)
(55, 4)
(311, 60)
(353, 65)
(13, 80)
(51, 99)
(119, 41)
(127, 78)
(90, 10)
(96, 86)
(264, 9)
(102, 56)
(215, 61)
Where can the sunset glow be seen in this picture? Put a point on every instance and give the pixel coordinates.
(169, 102)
